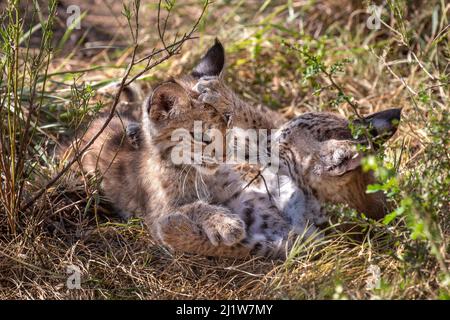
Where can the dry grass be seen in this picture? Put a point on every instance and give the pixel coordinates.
(404, 64)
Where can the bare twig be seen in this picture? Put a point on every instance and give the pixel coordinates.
(171, 49)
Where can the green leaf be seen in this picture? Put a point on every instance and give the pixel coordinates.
(372, 188)
(388, 218)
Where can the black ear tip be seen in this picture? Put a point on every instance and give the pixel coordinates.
(212, 63)
(389, 114)
(218, 46)
(217, 49)
(383, 123)
(397, 113)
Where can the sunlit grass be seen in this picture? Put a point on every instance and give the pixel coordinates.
(47, 96)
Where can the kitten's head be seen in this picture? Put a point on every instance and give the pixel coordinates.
(183, 129)
(319, 149)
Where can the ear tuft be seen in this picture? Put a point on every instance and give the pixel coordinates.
(211, 64)
(164, 98)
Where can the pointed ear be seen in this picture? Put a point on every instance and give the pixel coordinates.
(165, 98)
(383, 124)
(211, 64)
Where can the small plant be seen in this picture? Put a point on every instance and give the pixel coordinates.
(23, 85)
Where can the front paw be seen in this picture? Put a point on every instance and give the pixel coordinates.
(207, 83)
(213, 92)
(224, 228)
